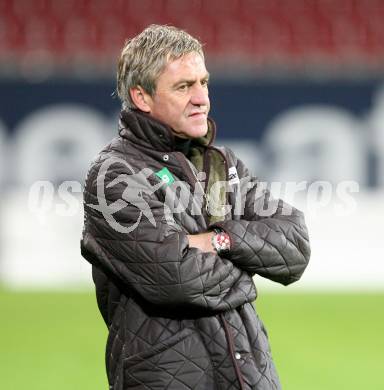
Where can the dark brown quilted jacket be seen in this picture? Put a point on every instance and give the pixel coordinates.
(179, 318)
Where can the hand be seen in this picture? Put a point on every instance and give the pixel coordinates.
(202, 241)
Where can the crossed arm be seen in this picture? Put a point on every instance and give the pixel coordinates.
(275, 246)
(168, 267)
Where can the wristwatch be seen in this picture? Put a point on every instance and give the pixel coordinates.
(221, 241)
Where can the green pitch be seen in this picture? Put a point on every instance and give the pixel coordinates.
(319, 341)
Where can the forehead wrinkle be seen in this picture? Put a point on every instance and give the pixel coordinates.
(185, 68)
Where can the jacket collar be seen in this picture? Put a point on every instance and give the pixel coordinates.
(144, 130)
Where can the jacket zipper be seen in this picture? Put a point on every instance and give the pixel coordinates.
(206, 161)
(193, 181)
(231, 346)
(224, 159)
(225, 166)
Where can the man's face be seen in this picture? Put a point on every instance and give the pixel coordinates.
(181, 99)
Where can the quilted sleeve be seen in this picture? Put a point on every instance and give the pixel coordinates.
(270, 238)
(154, 259)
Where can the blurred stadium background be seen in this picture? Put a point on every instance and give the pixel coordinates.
(297, 90)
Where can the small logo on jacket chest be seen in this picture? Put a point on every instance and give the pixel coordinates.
(165, 176)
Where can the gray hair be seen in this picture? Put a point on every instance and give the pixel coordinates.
(144, 57)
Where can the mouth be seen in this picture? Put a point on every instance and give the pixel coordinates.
(198, 115)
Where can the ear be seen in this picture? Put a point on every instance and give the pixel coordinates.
(141, 99)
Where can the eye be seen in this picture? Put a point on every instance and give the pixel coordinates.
(205, 83)
(183, 87)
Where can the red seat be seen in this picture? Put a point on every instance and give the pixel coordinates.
(260, 31)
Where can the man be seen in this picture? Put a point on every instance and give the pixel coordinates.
(175, 228)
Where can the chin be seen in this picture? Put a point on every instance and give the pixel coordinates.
(195, 131)
(200, 131)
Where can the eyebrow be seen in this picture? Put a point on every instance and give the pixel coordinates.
(206, 77)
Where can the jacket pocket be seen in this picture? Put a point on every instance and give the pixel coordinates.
(179, 363)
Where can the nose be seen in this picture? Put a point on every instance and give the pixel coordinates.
(200, 96)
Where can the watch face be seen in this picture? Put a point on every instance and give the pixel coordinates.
(221, 242)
